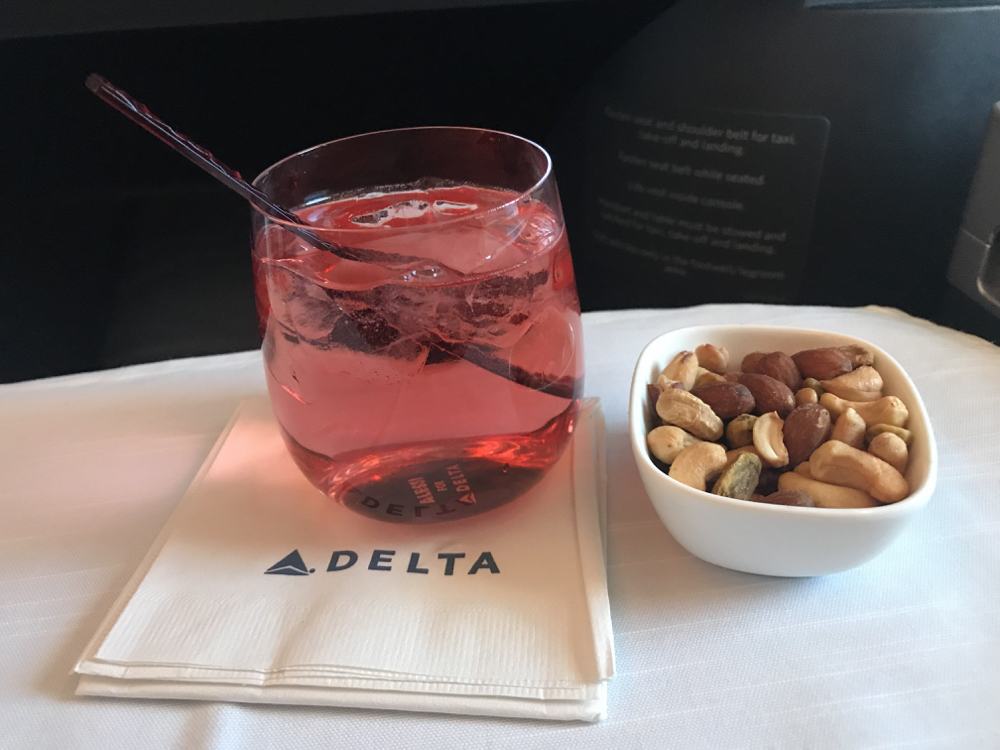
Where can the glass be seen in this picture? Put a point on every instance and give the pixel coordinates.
(441, 377)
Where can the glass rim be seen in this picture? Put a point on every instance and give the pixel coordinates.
(478, 213)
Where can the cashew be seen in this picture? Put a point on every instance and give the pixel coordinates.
(682, 368)
(739, 432)
(697, 464)
(849, 428)
(714, 358)
(891, 449)
(862, 384)
(827, 495)
(805, 396)
(803, 470)
(690, 413)
(877, 429)
(664, 383)
(887, 410)
(838, 463)
(667, 441)
(769, 441)
(707, 376)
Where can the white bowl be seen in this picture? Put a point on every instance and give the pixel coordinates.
(777, 540)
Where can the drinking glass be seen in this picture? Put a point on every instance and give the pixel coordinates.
(437, 374)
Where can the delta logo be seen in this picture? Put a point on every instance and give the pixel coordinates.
(382, 560)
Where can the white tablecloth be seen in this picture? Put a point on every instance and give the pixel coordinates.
(903, 652)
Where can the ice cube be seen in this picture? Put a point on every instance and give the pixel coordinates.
(547, 348)
(453, 208)
(406, 210)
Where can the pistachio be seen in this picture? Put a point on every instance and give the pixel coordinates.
(739, 432)
(735, 453)
(740, 479)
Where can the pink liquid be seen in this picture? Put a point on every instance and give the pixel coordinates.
(412, 400)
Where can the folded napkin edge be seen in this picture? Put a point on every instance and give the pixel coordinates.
(589, 710)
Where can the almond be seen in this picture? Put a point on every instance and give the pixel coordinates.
(768, 394)
(822, 364)
(779, 366)
(805, 429)
(652, 394)
(768, 481)
(800, 498)
(727, 400)
(858, 355)
(750, 360)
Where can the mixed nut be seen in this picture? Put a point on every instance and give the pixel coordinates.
(813, 429)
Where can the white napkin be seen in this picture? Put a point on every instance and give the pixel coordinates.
(235, 600)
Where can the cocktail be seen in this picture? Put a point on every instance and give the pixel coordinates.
(437, 372)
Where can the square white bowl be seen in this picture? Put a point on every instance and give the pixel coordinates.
(777, 540)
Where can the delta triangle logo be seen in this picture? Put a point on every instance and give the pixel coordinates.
(290, 565)
(469, 499)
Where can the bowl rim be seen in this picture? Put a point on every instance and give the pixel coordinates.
(918, 497)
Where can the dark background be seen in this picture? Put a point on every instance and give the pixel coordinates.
(118, 251)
